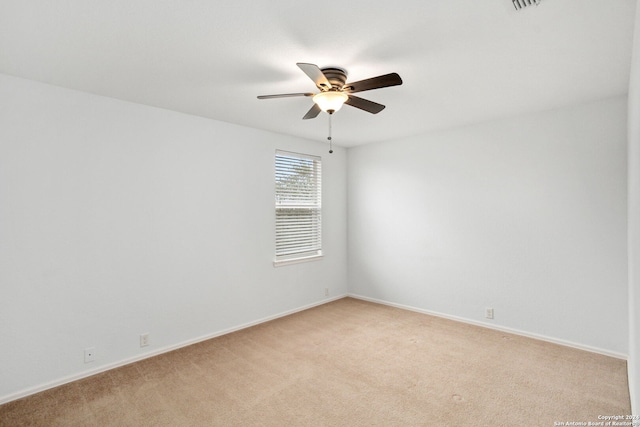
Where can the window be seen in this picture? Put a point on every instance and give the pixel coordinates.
(298, 207)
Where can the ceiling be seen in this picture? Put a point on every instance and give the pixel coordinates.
(462, 61)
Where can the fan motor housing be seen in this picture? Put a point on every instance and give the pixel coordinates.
(336, 76)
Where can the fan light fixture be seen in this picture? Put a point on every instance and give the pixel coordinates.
(330, 101)
(334, 91)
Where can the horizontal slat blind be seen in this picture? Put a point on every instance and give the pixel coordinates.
(298, 205)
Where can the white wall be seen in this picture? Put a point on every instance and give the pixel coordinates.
(634, 222)
(525, 215)
(118, 219)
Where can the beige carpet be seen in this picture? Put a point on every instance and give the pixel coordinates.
(346, 363)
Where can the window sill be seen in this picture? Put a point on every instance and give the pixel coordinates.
(283, 262)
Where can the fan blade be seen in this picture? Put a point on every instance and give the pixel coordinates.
(285, 95)
(364, 104)
(313, 112)
(386, 80)
(315, 74)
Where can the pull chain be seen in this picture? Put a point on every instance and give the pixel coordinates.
(329, 137)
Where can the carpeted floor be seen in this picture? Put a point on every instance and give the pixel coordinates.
(346, 363)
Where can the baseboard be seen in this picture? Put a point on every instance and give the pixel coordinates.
(166, 349)
(497, 328)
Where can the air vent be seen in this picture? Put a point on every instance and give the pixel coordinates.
(519, 4)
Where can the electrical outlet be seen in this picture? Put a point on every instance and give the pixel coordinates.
(89, 354)
(488, 313)
(144, 339)
(326, 292)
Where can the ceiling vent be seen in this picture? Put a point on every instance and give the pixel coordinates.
(519, 4)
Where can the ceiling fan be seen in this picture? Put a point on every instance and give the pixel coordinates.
(334, 91)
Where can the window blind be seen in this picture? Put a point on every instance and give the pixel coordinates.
(298, 204)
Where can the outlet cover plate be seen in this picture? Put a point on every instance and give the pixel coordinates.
(144, 339)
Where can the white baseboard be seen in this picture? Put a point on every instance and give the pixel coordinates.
(65, 380)
(497, 328)
(166, 349)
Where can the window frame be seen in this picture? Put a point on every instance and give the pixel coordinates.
(308, 198)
